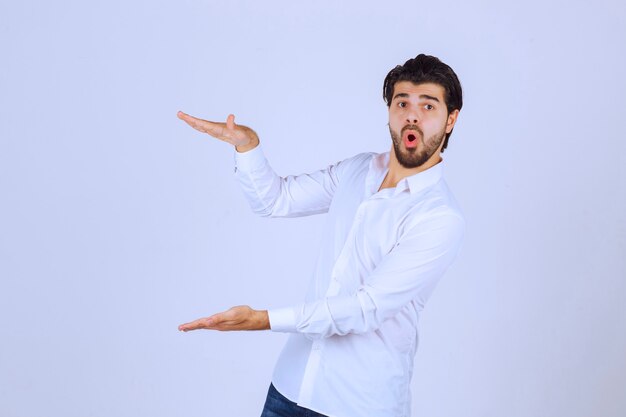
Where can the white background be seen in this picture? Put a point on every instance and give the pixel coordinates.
(118, 222)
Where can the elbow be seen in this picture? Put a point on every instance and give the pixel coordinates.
(262, 211)
(273, 209)
(263, 207)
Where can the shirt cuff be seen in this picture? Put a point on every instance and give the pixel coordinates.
(282, 320)
(250, 160)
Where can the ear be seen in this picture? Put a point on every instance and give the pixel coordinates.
(451, 120)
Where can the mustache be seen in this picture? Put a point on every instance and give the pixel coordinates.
(412, 127)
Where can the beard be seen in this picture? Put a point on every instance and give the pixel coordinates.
(416, 157)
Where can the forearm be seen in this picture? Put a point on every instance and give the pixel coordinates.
(271, 195)
(407, 275)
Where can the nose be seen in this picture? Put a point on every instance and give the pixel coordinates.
(412, 117)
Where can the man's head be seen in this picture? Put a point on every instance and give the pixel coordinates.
(424, 97)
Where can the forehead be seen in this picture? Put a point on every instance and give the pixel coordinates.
(430, 89)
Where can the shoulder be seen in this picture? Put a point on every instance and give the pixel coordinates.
(437, 208)
(356, 164)
(359, 159)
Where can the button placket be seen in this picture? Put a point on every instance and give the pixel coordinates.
(342, 259)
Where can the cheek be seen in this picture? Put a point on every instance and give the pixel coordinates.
(399, 115)
(393, 120)
(448, 124)
(436, 124)
(430, 125)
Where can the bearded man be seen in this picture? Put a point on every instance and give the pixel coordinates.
(393, 229)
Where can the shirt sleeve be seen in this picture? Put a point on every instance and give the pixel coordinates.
(271, 195)
(408, 273)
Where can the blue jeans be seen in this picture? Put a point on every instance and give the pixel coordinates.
(276, 405)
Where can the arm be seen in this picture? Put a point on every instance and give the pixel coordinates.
(276, 196)
(295, 195)
(267, 193)
(408, 273)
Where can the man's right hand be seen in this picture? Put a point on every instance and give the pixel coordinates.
(241, 137)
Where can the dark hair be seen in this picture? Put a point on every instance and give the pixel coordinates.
(427, 69)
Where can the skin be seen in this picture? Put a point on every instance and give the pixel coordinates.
(239, 317)
(417, 109)
(422, 106)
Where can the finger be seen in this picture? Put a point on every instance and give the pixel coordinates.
(211, 322)
(186, 117)
(194, 121)
(203, 323)
(205, 126)
(230, 122)
(187, 326)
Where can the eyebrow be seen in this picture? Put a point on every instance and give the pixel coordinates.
(422, 96)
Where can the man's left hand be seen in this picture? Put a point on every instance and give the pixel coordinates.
(236, 318)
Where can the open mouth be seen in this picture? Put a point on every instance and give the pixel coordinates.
(410, 139)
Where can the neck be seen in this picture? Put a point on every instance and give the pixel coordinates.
(397, 172)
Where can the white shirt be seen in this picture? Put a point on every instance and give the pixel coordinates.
(354, 338)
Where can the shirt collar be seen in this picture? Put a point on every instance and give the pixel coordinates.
(415, 183)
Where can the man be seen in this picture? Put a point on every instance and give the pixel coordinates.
(393, 229)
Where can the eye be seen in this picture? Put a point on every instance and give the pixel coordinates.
(429, 106)
(402, 104)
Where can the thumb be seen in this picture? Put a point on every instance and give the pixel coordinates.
(230, 122)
